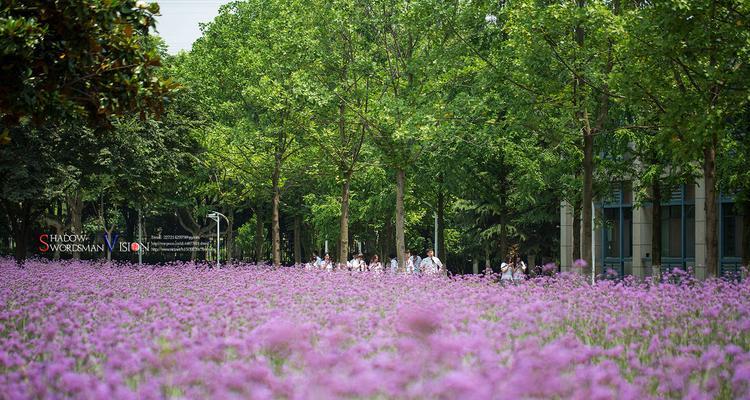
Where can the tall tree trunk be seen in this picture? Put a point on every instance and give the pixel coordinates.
(21, 236)
(503, 219)
(388, 242)
(59, 229)
(588, 194)
(400, 239)
(344, 222)
(20, 217)
(746, 233)
(108, 229)
(588, 191)
(75, 208)
(503, 236)
(130, 218)
(576, 231)
(441, 220)
(259, 236)
(276, 229)
(55, 220)
(503, 209)
(229, 246)
(656, 198)
(297, 240)
(588, 150)
(709, 166)
(709, 172)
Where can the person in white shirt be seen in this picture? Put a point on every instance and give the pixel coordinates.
(359, 263)
(318, 261)
(327, 263)
(409, 267)
(375, 264)
(431, 265)
(394, 264)
(519, 269)
(506, 269)
(309, 266)
(416, 262)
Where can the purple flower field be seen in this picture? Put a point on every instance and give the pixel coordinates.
(88, 330)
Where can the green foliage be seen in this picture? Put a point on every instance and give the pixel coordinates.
(78, 58)
(302, 101)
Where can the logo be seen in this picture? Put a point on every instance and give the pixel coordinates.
(124, 246)
(110, 243)
(133, 247)
(68, 243)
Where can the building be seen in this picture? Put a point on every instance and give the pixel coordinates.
(622, 236)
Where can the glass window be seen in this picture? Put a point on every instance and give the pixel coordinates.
(671, 235)
(612, 232)
(731, 231)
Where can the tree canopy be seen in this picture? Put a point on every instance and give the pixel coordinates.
(379, 126)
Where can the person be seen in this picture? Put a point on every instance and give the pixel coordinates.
(506, 270)
(416, 263)
(431, 265)
(519, 269)
(310, 265)
(409, 267)
(375, 264)
(327, 263)
(394, 263)
(359, 263)
(318, 260)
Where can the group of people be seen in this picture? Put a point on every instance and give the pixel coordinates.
(414, 264)
(513, 269)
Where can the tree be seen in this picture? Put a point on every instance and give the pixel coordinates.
(400, 122)
(248, 63)
(735, 176)
(27, 169)
(577, 48)
(343, 74)
(703, 48)
(77, 58)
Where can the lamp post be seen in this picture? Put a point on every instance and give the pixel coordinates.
(593, 246)
(436, 235)
(214, 215)
(140, 239)
(435, 239)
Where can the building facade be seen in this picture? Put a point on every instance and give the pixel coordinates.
(622, 235)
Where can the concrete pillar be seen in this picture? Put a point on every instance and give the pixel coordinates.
(700, 228)
(596, 239)
(641, 241)
(566, 236)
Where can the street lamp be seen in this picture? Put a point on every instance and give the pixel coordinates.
(593, 245)
(435, 240)
(214, 215)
